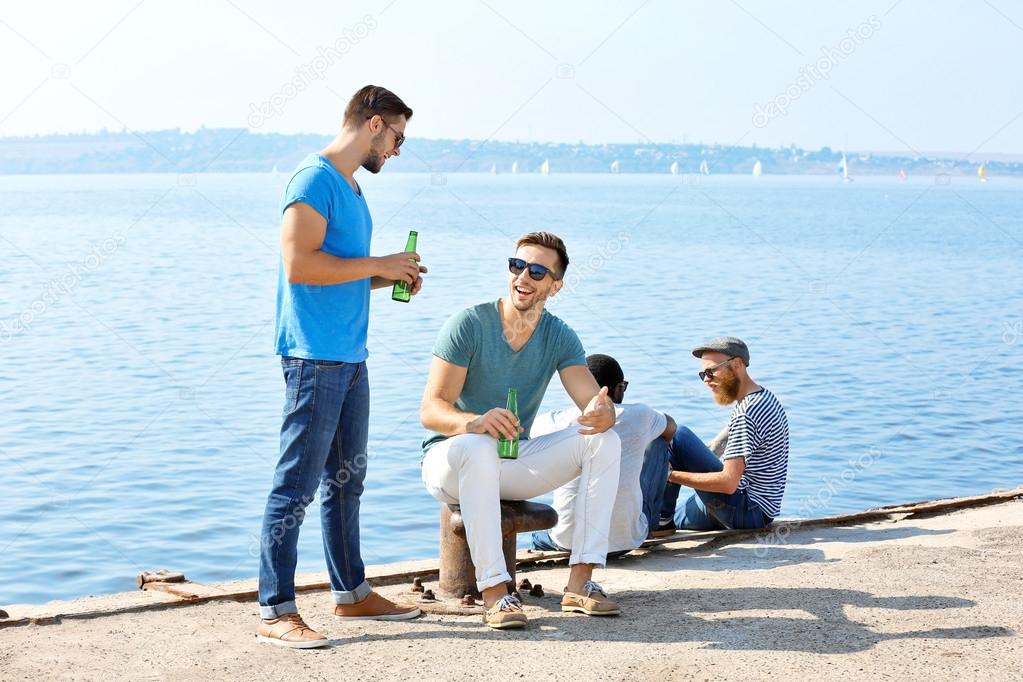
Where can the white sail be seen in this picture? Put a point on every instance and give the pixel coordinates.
(515, 166)
(493, 169)
(545, 167)
(843, 168)
(705, 167)
(758, 169)
(614, 166)
(982, 173)
(674, 168)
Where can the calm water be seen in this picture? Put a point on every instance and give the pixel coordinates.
(142, 398)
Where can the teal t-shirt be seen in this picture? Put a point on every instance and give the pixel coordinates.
(474, 339)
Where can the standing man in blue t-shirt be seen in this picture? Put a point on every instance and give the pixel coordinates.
(480, 353)
(324, 280)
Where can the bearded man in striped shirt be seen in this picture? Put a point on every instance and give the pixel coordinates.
(744, 488)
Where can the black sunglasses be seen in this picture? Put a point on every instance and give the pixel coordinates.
(536, 271)
(709, 372)
(399, 138)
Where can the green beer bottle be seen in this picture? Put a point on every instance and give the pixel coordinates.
(402, 290)
(509, 449)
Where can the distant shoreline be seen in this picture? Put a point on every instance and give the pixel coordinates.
(237, 150)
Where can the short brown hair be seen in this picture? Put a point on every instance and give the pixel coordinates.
(548, 241)
(371, 100)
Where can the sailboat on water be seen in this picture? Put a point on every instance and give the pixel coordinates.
(758, 169)
(674, 167)
(843, 168)
(902, 174)
(982, 172)
(614, 166)
(515, 167)
(493, 169)
(705, 167)
(545, 167)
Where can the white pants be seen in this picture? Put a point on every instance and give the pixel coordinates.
(466, 470)
(629, 524)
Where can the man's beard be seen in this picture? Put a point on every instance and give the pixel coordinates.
(727, 387)
(374, 161)
(537, 302)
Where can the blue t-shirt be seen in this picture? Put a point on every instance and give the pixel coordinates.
(326, 322)
(474, 339)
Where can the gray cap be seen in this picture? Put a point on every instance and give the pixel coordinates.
(729, 345)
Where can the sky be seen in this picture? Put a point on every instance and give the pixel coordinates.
(897, 75)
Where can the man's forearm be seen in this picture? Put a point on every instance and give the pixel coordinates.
(321, 268)
(711, 482)
(719, 442)
(444, 418)
(380, 282)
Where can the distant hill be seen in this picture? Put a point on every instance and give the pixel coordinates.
(238, 150)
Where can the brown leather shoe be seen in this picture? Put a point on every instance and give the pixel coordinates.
(505, 614)
(291, 631)
(375, 607)
(594, 603)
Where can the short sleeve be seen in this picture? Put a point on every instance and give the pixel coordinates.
(742, 437)
(571, 349)
(314, 186)
(458, 339)
(655, 423)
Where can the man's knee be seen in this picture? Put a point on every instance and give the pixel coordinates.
(607, 445)
(474, 452)
(682, 434)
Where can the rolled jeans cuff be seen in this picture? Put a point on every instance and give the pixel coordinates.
(277, 610)
(353, 596)
(595, 559)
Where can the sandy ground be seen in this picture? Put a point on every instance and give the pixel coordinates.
(920, 598)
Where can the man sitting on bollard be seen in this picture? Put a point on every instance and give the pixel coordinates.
(479, 354)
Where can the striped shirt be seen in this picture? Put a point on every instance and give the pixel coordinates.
(759, 432)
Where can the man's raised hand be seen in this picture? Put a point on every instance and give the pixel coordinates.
(599, 415)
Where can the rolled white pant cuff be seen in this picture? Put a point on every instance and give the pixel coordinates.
(353, 596)
(595, 559)
(483, 584)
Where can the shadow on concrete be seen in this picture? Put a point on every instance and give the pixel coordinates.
(753, 619)
(771, 550)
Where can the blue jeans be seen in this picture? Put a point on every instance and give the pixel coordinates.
(323, 444)
(542, 541)
(705, 510)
